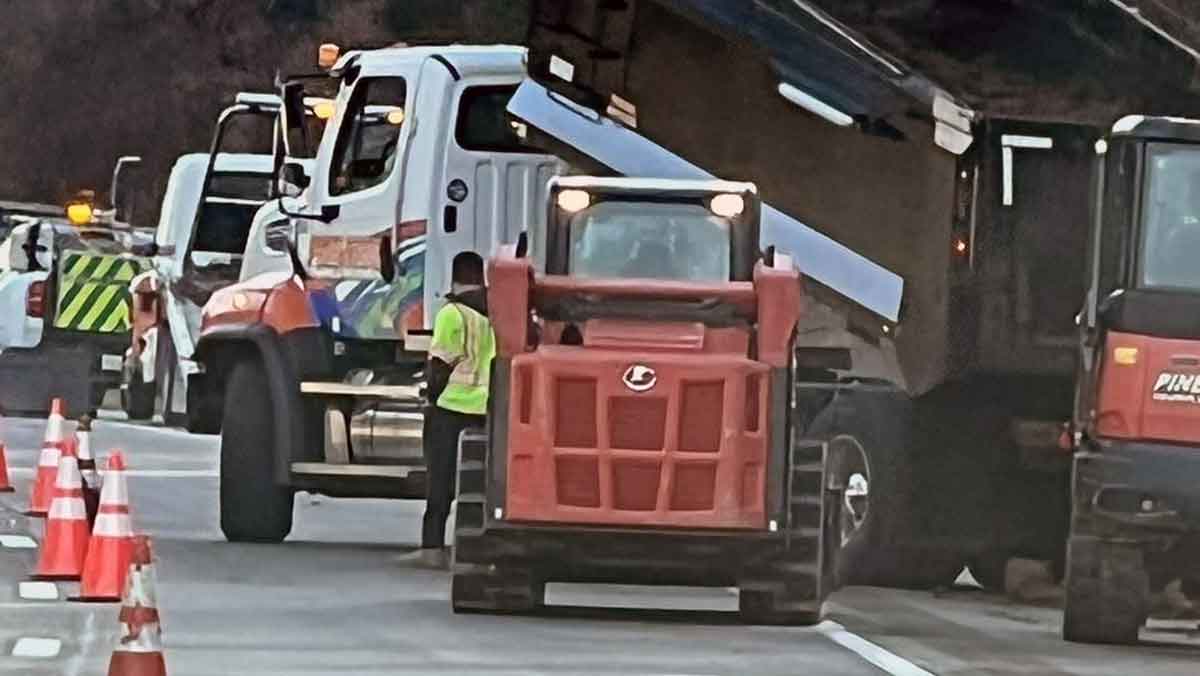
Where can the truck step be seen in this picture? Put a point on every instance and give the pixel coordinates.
(472, 498)
(393, 392)
(470, 466)
(360, 471)
(809, 467)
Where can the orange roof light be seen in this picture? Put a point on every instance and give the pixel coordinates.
(324, 110)
(327, 55)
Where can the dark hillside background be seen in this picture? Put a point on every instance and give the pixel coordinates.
(84, 81)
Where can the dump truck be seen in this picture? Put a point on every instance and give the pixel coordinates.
(641, 423)
(318, 369)
(203, 231)
(1135, 521)
(64, 290)
(951, 372)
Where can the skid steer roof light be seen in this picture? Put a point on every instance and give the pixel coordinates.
(572, 201)
(728, 205)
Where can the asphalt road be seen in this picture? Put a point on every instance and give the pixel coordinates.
(331, 600)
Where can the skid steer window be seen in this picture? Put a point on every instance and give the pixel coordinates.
(368, 141)
(1171, 218)
(647, 240)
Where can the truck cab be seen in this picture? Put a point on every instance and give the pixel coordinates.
(66, 291)
(1136, 498)
(418, 163)
(641, 402)
(199, 245)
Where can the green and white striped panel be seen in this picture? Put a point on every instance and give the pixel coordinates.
(93, 291)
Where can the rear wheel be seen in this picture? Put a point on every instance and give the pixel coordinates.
(253, 507)
(1107, 592)
(864, 432)
(137, 396)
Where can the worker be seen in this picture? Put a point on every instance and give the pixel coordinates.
(460, 361)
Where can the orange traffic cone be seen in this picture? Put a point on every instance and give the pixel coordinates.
(139, 649)
(87, 468)
(5, 485)
(65, 546)
(110, 550)
(52, 448)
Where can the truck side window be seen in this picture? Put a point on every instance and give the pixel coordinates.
(368, 142)
(484, 125)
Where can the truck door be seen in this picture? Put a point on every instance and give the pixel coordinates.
(493, 187)
(362, 176)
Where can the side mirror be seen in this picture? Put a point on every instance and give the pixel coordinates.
(769, 256)
(293, 180)
(277, 235)
(387, 260)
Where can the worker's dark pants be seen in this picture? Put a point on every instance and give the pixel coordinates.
(440, 439)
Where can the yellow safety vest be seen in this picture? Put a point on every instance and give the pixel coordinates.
(463, 338)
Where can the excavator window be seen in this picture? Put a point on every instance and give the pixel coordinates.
(1171, 225)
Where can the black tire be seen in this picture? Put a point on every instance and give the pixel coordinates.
(1107, 592)
(203, 410)
(865, 431)
(137, 397)
(253, 507)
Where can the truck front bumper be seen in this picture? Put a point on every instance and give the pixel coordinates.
(78, 368)
(1129, 488)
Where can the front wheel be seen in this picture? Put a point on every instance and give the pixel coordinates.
(253, 507)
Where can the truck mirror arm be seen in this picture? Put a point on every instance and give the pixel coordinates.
(387, 261)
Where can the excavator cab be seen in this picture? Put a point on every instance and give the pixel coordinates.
(641, 403)
(1136, 497)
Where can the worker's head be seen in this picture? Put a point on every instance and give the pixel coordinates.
(466, 271)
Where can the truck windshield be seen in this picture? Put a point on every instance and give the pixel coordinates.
(1171, 218)
(650, 240)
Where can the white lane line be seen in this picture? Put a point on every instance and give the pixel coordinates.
(87, 638)
(887, 661)
(38, 591)
(17, 542)
(37, 647)
(145, 473)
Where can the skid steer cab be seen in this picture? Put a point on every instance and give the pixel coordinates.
(640, 426)
(1136, 499)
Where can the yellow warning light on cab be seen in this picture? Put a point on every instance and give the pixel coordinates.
(1125, 356)
(327, 55)
(572, 201)
(79, 213)
(728, 206)
(396, 116)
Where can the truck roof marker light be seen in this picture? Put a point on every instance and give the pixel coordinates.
(573, 201)
(79, 213)
(1101, 147)
(324, 110)
(327, 55)
(814, 105)
(1125, 356)
(728, 205)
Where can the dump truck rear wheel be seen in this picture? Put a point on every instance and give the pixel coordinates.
(1107, 592)
(137, 397)
(253, 507)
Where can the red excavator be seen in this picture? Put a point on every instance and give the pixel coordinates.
(641, 417)
(1136, 499)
